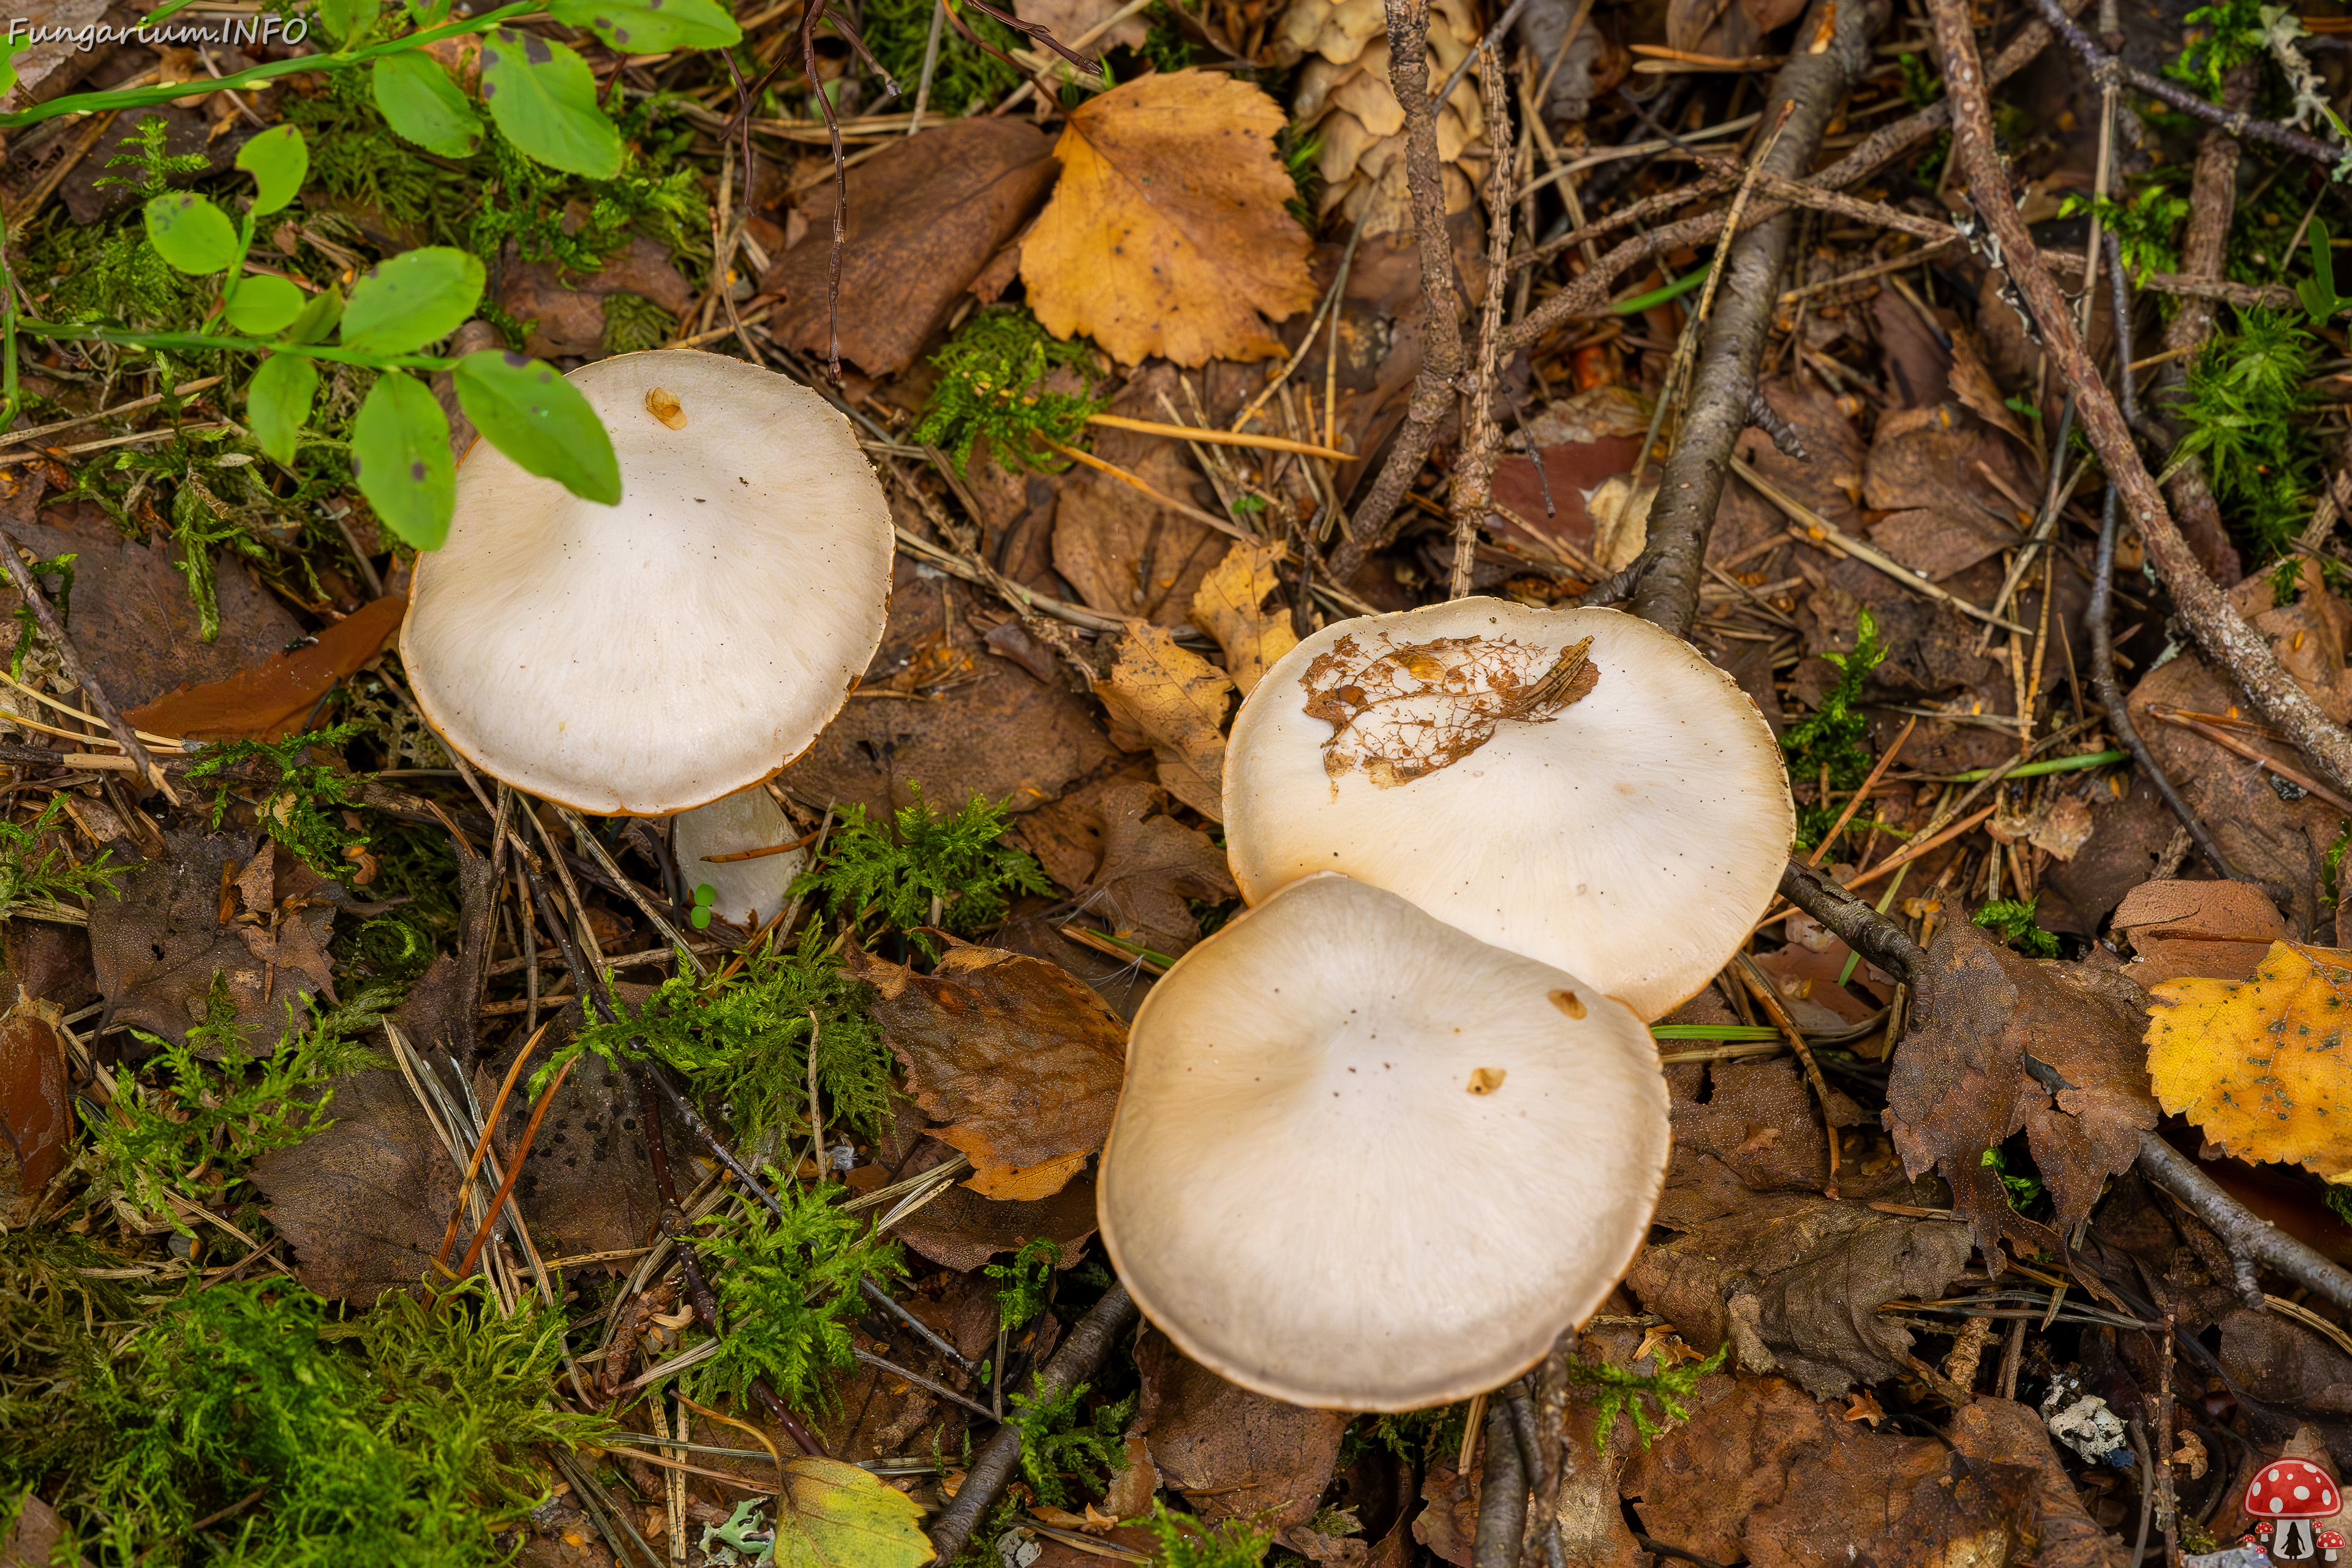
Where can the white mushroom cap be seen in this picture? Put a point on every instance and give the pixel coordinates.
(748, 892)
(1367, 1163)
(1632, 835)
(655, 655)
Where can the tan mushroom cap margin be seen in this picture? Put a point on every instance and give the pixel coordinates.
(1631, 836)
(1364, 1162)
(650, 657)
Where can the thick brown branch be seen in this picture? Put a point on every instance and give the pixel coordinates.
(1080, 1354)
(1805, 95)
(1441, 321)
(2211, 619)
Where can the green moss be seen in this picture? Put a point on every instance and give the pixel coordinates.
(966, 76)
(1021, 1284)
(633, 322)
(294, 808)
(1186, 1542)
(1834, 736)
(2011, 920)
(187, 1126)
(788, 1292)
(35, 868)
(403, 1436)
(951, 873)
(743, 1042)
(1623, 1391)
(1058, 1441)
(992, 385)
(2244, 406)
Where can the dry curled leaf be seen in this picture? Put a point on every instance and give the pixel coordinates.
(1227, 608)
(36, 1114)
(2259, 1064)
(1405, 713)
(270, 701)
(1961, 1083)
(1233, 1453)
(1150, 865)
(1021, 1061)
(1175, 702)
(1167, 235)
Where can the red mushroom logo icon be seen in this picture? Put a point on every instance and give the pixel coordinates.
(2286, 1495)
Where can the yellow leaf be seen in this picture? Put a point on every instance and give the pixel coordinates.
(1176, 700)
(1166, 235)
(834, 1515)
(1226, 609)
(2261, 1064)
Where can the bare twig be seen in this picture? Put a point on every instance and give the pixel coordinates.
(1473, 475)
(1805, 95)
(2107, 70)
(2209, 616)
(1502, 1493)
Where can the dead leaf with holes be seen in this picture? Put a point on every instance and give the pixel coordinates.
(1227, 608)
(1173, 701)
(1167, 235)
(2260, 1065)
(1402, 714)
(1017, 1056)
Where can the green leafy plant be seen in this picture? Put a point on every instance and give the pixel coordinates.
(2144, 224)
(1834, 737)
(788, 1292)
(1057, 1442)
(2235, 32)
(193, 1127)
(2317, 291)
(294, 807)
(403, 1436)
(992, 385)
(2021, 1191)
(2011, 920)
(1186, 1542)
(742, 1041)
(35, 871)
(1021, 1287)
(705, 896)
(1622, 1391)
(2244, 394)
(947, 872)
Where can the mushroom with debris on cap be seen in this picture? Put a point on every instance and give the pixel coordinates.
(1366, 1161)
(1575, 785)
(653, 655)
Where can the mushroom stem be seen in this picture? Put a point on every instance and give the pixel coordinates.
(1083, 1352)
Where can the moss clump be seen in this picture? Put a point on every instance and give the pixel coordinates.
(1833, 742)
(947, 872)
(402, 1436)
(994, 385)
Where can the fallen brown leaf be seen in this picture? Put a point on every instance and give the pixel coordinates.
(1960, 1084)
(364, 1202)
(157, 949)
(1175, 702)
(1448, 1526)
(1233, 1453)
(1995, 1432)
(1792, 1280)
(1021, 1061)
(1166, 235)
(1150, 865)
(35, 1109)
(924, 218)
(961, 1229)
(272, 700)
(586, 1186)
(2214, 931)
(565, 314)
(997, 730)
(1228, 608)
